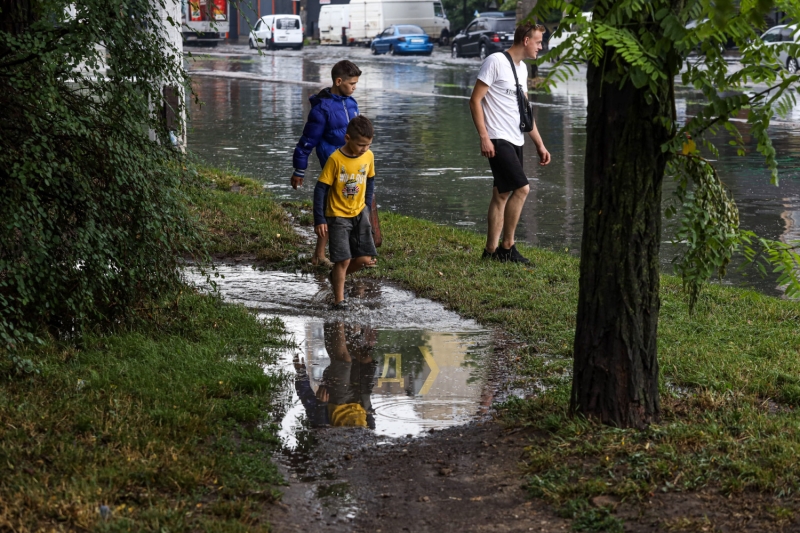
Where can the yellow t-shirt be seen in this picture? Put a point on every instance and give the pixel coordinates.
(347, 177)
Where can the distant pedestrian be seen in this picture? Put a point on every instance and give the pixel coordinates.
(331, 111)
(343, 198)
(496, 113)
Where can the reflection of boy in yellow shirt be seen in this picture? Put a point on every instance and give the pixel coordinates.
(342, 201)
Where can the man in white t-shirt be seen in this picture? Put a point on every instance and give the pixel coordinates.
(495, 112)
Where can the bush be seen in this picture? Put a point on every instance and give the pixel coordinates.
(93, 220)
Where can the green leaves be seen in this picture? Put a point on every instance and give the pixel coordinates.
(92, 220)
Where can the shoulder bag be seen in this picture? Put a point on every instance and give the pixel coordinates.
(525, 111)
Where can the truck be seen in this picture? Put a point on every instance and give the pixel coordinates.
(334, 24)
(204, 21)
(368, 18)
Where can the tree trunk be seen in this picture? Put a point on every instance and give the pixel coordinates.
(615, 373)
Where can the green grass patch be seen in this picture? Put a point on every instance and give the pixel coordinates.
(166, 423)
(730, 375)
(239, 217)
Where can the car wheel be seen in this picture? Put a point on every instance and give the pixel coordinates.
(250, 43)
(299, 46)
(444, 38)
(271, 44)
(392, 50)
(791, 65)
(373, 49)
(483, 52)
(455, 51)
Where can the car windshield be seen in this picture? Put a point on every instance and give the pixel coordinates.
(288, 24)
(505, 25)
(438, 10)
(409, 30)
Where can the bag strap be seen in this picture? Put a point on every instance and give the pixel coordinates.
(513, 67)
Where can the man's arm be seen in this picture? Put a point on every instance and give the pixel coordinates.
(544, 155)
(478, 93)
(312, 133)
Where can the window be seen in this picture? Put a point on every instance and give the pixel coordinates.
(438, 10)
(258, 25)
(772, 36)
(388, 32)
(482, 26)
(472, 27)
(505, 26)
(789, 35)
(410, 30)
(288, 24)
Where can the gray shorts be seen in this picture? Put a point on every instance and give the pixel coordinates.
(349, 238)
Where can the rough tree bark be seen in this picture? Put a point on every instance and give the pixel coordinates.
(615, 373)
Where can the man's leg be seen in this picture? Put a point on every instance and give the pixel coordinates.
(497, 210)
(511, 214)
(338, 274)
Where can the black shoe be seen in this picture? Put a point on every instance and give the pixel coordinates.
(511, 255)
(488, 255)
(341, 306)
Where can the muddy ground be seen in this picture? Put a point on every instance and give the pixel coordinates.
(468, 479)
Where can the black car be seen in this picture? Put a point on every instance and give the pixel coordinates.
(484, 36)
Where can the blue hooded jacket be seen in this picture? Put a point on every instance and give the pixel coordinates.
(325, 128)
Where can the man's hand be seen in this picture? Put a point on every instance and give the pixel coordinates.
(544, 155)
(487, 147)
(297, 181)
(321, 230)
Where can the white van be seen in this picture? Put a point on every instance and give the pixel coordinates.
(277, 31)
(368, 18)
(334, 24)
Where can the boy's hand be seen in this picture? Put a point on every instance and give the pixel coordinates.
(297, 181)
(321, 230)
(322, 394)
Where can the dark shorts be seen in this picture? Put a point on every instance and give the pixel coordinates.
(349, 238)
(507, 166)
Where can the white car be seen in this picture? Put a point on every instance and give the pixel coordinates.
(783, 34)
(277, 31)
(555, 41)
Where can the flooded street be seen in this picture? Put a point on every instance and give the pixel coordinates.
(426, 148)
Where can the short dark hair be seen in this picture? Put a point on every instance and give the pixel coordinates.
(525, 29)
(360, 126)
(345, 69)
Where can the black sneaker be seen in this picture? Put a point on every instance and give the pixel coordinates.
(489, 255)
(511, 255)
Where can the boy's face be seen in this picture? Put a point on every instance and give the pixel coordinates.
(346, 86)
(356, 144)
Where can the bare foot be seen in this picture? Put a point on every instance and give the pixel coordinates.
(372, 263)
(321, 261)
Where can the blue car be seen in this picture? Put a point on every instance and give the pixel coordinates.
(402, 39)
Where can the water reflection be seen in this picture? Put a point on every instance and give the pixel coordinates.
(426, 149)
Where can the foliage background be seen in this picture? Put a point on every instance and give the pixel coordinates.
(93, 220)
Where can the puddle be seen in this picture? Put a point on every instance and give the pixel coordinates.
(394, 363)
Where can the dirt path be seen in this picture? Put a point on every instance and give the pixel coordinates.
(458, 479)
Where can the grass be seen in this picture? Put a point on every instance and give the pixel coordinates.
(166, 424)
(730, 376)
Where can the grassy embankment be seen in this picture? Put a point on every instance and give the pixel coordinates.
(160, 421)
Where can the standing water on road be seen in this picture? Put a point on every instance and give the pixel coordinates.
(426, 149)
(409, 363)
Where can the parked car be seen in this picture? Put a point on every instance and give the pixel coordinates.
(369, 18)
(783, 34)
(484, 36)
(566, 34)
(277, 31)
(334, 24)
(402, 39)
(501, 14)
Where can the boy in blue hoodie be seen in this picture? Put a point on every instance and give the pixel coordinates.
(331, 110)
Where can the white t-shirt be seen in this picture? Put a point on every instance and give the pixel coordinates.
(500, 107)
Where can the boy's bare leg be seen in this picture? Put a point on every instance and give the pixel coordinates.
(497, 208)
(338, 274)
(512, 213)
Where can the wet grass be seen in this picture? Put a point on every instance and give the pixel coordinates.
(155, 427)
(240, 217)
(730, 376)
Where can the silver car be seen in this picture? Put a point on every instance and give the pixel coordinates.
(783, 34)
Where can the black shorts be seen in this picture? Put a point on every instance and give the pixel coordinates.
(507, 166)
(350, 237)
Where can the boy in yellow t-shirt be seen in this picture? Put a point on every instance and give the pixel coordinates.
(342, 201)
